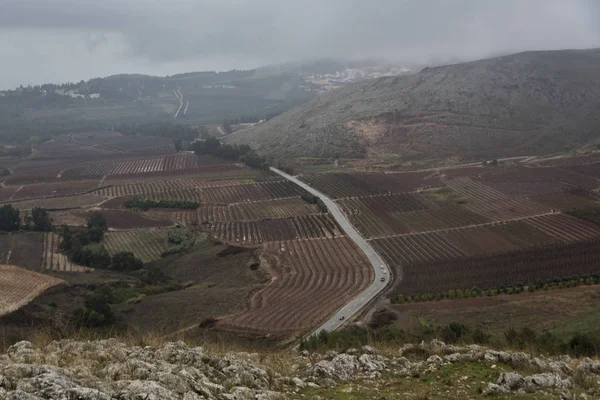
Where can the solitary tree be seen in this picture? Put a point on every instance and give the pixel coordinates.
(97, 225)
(41, 219)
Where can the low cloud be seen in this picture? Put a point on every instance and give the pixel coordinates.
(78, 39)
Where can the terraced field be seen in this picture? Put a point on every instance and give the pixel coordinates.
(311, 279)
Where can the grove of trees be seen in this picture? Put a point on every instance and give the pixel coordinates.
(242, 153)
(38, 220)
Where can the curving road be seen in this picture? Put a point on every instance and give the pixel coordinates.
(376, 287)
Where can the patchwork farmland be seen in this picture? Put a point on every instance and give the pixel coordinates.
(439, 230)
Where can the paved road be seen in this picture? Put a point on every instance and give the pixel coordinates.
(376, 287)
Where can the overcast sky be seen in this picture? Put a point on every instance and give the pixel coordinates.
(69, 40)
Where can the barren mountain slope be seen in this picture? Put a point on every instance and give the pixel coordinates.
(526, 103)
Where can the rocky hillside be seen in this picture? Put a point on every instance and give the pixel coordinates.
(522, 104)
(109, 369)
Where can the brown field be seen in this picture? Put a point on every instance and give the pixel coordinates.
(181, 162)
(537, 174)
(6, 193)
(491, 271)
(229, 171)
(62, 189)
(19, 286)
(310, 280)
(565, 228)
(372, 226)
(61, 203)
(231, 193)
(256, 232)
(340, 185)
(528, 188)
(405, 252)
(252, 211)
(159, 186)
(564, 201)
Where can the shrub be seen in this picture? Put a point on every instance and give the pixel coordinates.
(583, 345)
(382, 318)
(126, 261)
(453, 332)
(93, 255)
(139, 203)
(41, 219)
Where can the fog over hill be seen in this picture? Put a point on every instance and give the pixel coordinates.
(521, 104)
(81, 39)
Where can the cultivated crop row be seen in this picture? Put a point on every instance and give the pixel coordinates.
(18, 286)
(492, 203)
(564, 200)
(225, 171)
(271, 209)
(565, 228)
(476, 190)
(256, 232)
(524, 267)
(147, 245)
(54, 260)
(402, 250)
(160, 186)
(500, 210)
(341, 185)
(176, 162)
(311, 280)
(232, 194)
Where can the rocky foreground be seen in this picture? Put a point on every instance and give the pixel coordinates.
(99, 370)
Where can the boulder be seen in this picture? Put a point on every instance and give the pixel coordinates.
(511, 380)
(545, 381)
(435, 359)
(493, 388)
